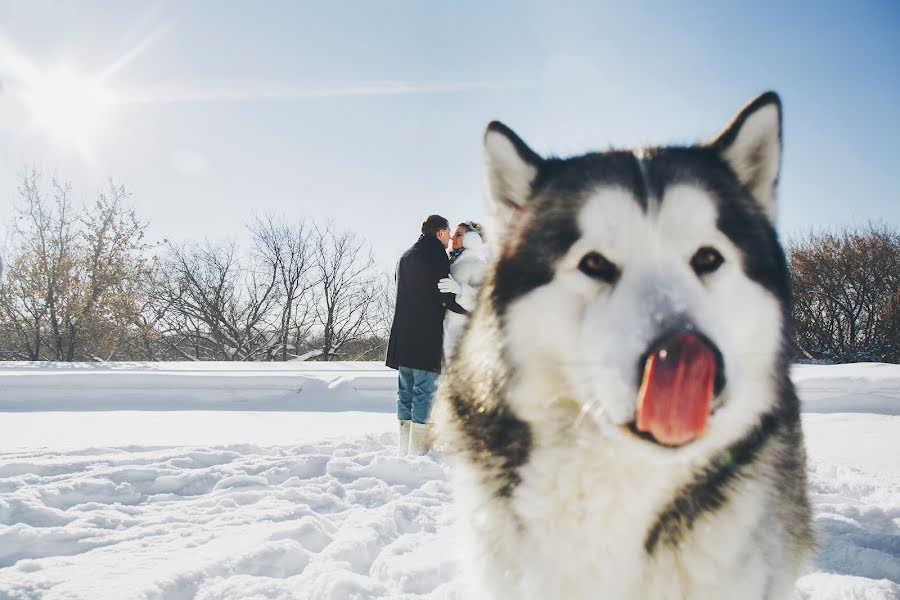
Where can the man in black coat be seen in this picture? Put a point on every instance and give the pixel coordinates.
(414, 348)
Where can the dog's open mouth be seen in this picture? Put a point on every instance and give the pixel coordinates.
(677, 388)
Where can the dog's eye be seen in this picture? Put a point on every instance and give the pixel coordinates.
(595, 265)
(706, 260)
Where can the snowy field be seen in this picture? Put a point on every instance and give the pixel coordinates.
(246, 481)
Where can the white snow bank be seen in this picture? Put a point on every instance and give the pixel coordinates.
(326, 520)
(858, 521)
(334, 386)
(60, 430)
(235, 504)
(866, 442)
(858, 387)
(339, 520)
(338, 386)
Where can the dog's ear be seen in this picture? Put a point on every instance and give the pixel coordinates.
(751, 145)
(510, 169)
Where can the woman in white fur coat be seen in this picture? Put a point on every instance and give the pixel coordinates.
(468, 267)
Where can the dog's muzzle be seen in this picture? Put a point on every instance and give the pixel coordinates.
(680, 374)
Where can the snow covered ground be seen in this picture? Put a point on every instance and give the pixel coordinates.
(282, 481)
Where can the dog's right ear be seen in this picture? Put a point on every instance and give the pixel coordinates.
(751, 145)
(510, 169)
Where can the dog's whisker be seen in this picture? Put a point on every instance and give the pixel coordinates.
(585, 410)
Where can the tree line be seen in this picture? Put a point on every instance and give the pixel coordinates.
(83, 283)
(846, 287)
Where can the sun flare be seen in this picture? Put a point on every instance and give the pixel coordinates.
(69, 106)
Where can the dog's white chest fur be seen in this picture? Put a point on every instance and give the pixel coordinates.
(576, 525)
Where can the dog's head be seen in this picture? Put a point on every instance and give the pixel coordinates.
(648, 287)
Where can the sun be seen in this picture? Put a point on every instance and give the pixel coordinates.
(68, 106)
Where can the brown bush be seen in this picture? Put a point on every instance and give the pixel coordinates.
(846, 287)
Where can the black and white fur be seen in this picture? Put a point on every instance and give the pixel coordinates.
(557, 497)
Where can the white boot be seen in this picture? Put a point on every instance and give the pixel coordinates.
(404, 437)
(419, 438)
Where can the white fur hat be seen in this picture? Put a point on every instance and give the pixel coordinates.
(472, 241)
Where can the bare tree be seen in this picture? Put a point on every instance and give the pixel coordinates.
(150, 344)
(115, 271)
(73, 274)
(41, 269)
(285, 249)
(80, 284)
(846, 289)
(347, 290)
(374, 345)
(212, 307)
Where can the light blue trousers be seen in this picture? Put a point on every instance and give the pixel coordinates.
(415, 391)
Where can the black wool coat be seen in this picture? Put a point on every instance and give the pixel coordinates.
(417, 332)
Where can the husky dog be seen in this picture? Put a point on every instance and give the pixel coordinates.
(619, 410)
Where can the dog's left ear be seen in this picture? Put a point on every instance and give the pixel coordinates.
(510, 168)
(751, 145)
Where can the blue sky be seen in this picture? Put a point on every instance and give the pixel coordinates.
(371, 113)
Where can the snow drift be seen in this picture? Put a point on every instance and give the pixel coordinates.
(220, 481)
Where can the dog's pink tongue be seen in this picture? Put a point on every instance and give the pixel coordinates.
(677, 389)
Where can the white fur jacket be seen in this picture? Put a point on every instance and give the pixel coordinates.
(469, 270)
